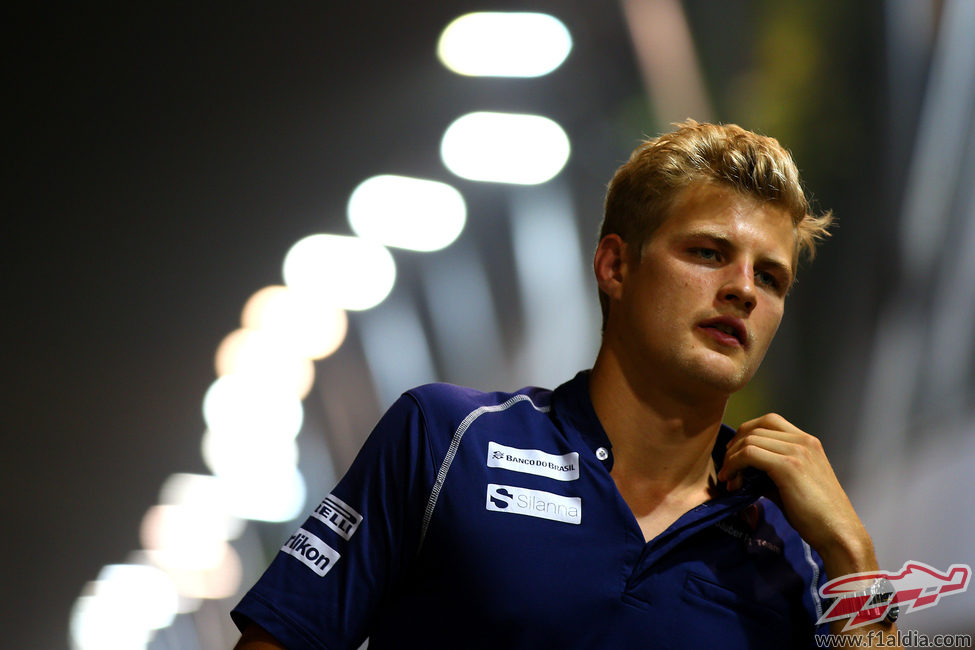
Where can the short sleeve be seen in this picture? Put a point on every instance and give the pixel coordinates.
(330, 577)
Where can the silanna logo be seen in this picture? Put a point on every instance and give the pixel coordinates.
(533, 503)
(338, 515)
(501, 499)
(312, 551)
(871, 597)
(564, 467)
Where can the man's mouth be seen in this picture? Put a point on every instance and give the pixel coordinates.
(727, 330)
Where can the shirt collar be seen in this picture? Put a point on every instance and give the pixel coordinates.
(572, 407)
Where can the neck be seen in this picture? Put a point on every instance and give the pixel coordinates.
(661, 437)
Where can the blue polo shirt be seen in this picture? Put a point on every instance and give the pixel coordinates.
(490, 520)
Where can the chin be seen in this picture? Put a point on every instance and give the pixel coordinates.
(724, 384)
(723, 377)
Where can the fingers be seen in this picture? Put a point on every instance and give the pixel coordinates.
(766, 456)
(773, 445)
(772, 421)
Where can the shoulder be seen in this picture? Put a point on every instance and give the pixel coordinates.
(433, 415)
(438, 416)
(445, 403)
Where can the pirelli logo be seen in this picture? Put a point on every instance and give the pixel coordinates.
(534, 461)
(312, 551)
(338, 515)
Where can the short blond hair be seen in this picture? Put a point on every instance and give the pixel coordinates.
(642, 190)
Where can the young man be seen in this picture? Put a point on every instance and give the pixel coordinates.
(615, 511)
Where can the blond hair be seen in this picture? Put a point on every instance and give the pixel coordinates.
(642, 190)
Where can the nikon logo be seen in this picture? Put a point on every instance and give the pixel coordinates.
(312, 551)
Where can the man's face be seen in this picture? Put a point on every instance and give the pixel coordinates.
(701, 306)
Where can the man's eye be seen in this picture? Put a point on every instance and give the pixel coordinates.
(768, 279)
(706, 253)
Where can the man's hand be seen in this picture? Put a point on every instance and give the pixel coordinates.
(809, 493)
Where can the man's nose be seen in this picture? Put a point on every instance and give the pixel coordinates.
(739, 288)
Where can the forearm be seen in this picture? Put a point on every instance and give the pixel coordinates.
(851, 553)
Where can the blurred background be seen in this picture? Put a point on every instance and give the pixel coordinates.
(235, 233)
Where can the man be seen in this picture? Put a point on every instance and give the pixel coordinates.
(616, 511)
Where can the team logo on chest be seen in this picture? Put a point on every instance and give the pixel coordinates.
(533, 503)
(563, 467)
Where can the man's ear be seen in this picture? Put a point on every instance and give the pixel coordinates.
(609, 265)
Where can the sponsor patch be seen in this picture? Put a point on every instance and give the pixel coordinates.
(316, 554)
(338, 515)
(534, 461)
(534, 503)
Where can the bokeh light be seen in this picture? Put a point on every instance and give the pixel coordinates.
(218, 581)
(348, 272)
(252, 408)
(122, 607)
(183, 536)
(277, 493)
(412, 213)
(315, 327)
(504, 44)
(265, 355)
(229, 455)
(505, 148)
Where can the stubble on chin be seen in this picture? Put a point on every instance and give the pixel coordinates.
(715, 371)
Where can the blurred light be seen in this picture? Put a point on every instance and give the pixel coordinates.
(185, 605)
(265, 355)
(184, 537)
(313, 326)
(258, 475)
(200, 491)
(505, 148)
(277, 495)
(140, 592)
(348, 272)
(411, 213)
(229, 455)
(122, 608)
(496, 44)
(219, 581)
(98, 624)
(252, 408)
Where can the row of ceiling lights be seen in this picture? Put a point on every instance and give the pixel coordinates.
(253, 410)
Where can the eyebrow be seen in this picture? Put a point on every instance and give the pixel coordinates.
(727, 244)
